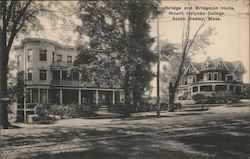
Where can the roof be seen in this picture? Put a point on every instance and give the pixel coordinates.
(213, 64)
(45, 41)
(197, 65)
(229, 65)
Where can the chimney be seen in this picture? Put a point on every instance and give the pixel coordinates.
(208, 58)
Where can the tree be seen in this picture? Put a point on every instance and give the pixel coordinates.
(11, 80)
(171, 57)
(122, 27)
(191, 45)
(17, 17)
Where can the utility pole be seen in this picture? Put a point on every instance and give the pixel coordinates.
(158, 69)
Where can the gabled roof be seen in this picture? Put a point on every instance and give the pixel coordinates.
(216, 61)
(213, 64)
(237, 64)
(197, 65)
(229, 65)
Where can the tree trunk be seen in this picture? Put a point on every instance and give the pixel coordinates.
(171, 99)
(3, 81)
(135, 99)
(127, 91)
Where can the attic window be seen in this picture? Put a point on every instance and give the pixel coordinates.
(220, 66)
(240, 68)
(206, 65)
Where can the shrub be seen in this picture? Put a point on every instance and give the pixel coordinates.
(164, 106)
(218, 97)
(67, 111)
(120, 108)
(43, 113)
(205, 98)
(144, 107)
(177, 105)
(226, 97)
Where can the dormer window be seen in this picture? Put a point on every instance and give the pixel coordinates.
(220, 66)
(206, 66)
(240, 68)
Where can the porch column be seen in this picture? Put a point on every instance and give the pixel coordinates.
(39, 96)
(234, 88)
(80, 96)
(213, 87)
(47, 95)
(191, 90)
(61, 96)
(31, 90)
(96, 97)
(113, 97)
(60, 76)
(60, 71)
(228, 87)
(80, 77)
(199, 88)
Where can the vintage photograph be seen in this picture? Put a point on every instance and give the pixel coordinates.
(124, 79)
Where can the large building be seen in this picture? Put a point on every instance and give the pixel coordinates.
(49, 77)
(210, 75)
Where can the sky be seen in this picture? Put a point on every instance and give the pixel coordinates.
(230, 40)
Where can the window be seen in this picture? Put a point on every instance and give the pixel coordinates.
(220, 76)
(194, 79)
(240, 68)
(59, 58)
(75, 76)
(43, 55)
(209, 76)
(43, 75)
(30, 55)
(69, 59)
(238, 78)
(43, 96)
(220, 87)
(229, 78)
(53, 56)
(34, 95)
(216, 76)
(28, 94)
(231, 88)
(220, 66)
(184, 81)
(30, 72)
(206, 88)
(56, 74)
(195, 89)
(64, 75)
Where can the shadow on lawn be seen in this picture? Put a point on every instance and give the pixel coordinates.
(125, 148)
(222, 145)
